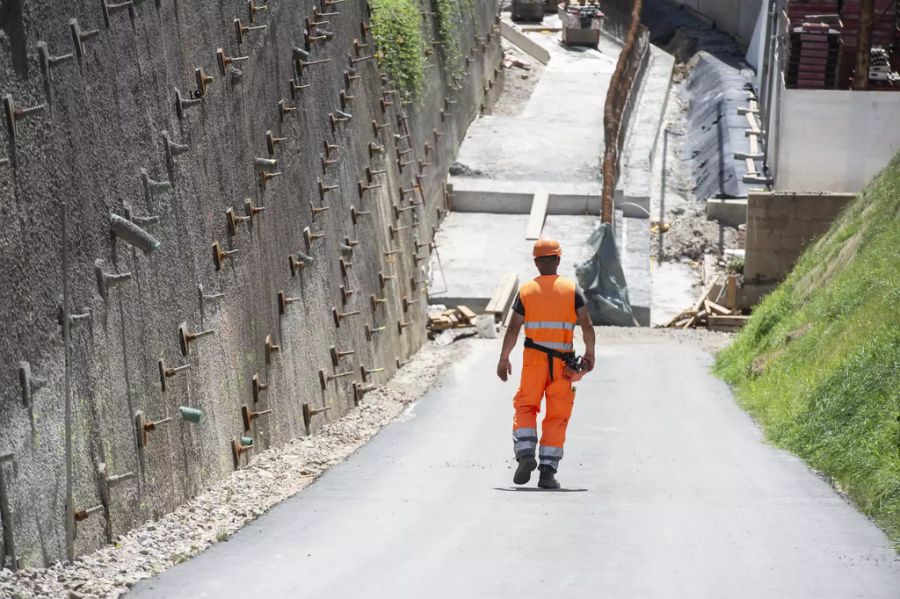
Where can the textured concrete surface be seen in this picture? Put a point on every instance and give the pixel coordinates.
(557, 140)
(103, 124)
(669, 491)
(476, 249)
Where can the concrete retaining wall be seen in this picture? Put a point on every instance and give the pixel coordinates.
(103, 124)
(737, 17)
(780, 226)
(834, 140)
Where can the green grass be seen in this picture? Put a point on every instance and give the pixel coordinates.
(397, 28)
(818, 364)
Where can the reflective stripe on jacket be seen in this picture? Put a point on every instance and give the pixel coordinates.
(550, 318)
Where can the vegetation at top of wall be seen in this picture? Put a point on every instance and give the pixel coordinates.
(818, 364)
(448, 15)
(397, 28)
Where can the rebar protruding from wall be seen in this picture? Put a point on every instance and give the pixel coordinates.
(408, 302)
(140, 221)
(251, 210)
(202, 80)
(359, 391)
(239, 447)
(323, 189)
(372, 331)
(144, 426)
(284, 301)
(298, 263)
(186, 337)
(28, 383)
(401, 164)
(48, 61)
(296, 87)
(242, 30)
(271, 348)
(371, 173)
(223, 60)
(259, 388)
(402, 324)
(172, 149)
(166, 373)
(355, 214)
(345, 267)
(397, 210)
(377, 127)
(362, 187)
(358, 47)
(316, 35)
(414, 283)
(325, 378)
(253, 8)
(110, 8)
(302, 60)
(336, 117)
(318, 209)
(284, 109)
(182, 103)
(339, 316)
(385, 104)
(272, 141)
(309, 412)
(346, 294)
(106, 481)
(129, 232)
(358, 59)
(14, 114)
(79, 37)
(367, 372)
(383, 279)
(376, 301)
(206, 297)
(350, 76)
(107, 281)
(346, 99)
(153, 188)
(309, 237)
(74, 319)
(394, 231)
(82, 514)
(390, 253)
(337, 354)
(219, 255)
(234, 221)
(406, 191)
(248, 416)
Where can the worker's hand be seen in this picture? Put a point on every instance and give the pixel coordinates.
(504, 369)
(588, 361)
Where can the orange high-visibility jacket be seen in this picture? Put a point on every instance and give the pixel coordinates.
(550, 317)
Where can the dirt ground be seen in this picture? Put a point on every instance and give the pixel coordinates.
(521, 75)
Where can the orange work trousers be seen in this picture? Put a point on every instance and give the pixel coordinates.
(536, 384)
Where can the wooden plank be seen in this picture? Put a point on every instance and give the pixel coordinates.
(703, 296)
(538, 214)
(731, 292)
(465, 311)
(726, 323)
(503, 295)
(714, 308)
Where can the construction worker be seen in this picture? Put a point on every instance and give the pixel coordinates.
(549, 306)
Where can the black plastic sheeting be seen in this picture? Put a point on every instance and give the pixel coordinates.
(715, 91)
(717, 85)
(603, 282)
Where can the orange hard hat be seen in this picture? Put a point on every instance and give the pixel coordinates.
(546, 247)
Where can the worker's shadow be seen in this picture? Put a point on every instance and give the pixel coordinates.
(538, 490)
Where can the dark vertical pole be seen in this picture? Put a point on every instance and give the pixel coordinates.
(864, 41)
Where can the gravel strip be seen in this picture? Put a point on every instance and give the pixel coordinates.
(271, 477)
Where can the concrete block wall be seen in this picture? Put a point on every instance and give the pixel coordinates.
(103, 123)
(780, 226)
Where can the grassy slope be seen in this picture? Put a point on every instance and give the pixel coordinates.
(818, 365)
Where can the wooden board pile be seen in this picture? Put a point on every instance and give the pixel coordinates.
(709, 313)
(454, 318)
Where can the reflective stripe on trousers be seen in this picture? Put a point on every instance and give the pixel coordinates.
(550, 456)
(524, 442)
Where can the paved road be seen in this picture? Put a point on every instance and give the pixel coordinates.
(671, 493)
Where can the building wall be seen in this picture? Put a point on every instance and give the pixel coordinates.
(83, 156)
(780, 226)
(737, 17)
(834, 140)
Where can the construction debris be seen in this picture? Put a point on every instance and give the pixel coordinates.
(715, 309)
(459, 317)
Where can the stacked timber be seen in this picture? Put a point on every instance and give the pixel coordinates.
(454, 318)
(709, 313)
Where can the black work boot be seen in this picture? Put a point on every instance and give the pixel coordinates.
(548, 478)
(527, 464)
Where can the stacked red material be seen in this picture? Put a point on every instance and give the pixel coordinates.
(884, 32)
(813, 56)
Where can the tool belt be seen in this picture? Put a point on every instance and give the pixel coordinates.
(571, 360)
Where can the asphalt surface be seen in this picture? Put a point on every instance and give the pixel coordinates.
(669, 491)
